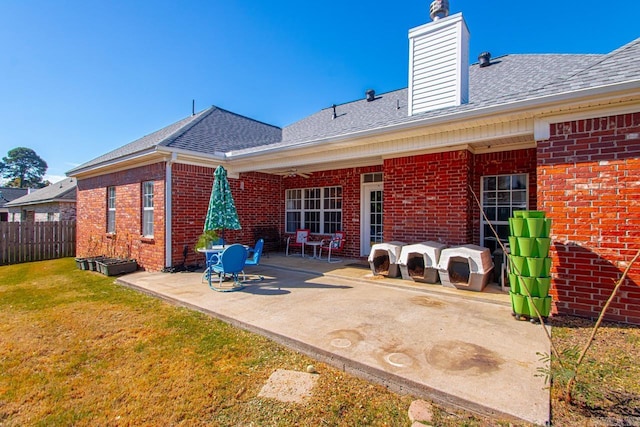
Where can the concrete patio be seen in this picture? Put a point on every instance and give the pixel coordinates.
(458, 348)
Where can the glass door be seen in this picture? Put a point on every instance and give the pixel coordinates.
(371, 226)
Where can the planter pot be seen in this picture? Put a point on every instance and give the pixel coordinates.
(518, 214)
(527, 246)
(542, 304)
(114, 266)
(518, 227)
(513, 244)
(520, 306)
(514, 283)
(82, 263)
(546, 271)
(519, 266)
(543, 244)
(92, 262)
(533, 214)
(535, 226)
(543, 284)
(530, 283)
(535, 265)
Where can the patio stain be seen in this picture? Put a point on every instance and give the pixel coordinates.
(427, 302)
(457, 355)
(343, 338)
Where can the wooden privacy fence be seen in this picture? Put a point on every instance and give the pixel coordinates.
(36, 241)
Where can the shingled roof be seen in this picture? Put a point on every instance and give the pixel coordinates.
(211, 131)
(8, 194)
(509, 79)
(64, 190)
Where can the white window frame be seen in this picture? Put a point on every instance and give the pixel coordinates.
(511, 205)
(321, 202)
(111, 209)
(147, 209)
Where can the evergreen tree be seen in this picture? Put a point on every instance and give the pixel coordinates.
(23, 168)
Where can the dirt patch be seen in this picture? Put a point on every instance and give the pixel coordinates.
(454, 356)
(427, 302)
(289, 386)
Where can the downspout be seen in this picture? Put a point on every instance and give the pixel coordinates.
(168, 217)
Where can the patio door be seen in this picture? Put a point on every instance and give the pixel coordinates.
(371, 224)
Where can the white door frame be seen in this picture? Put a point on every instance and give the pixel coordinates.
(365, 215)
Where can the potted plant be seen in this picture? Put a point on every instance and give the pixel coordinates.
(207, 239)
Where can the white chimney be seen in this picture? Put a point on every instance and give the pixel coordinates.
(438, 62)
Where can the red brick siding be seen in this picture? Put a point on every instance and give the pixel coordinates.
(502, 163)
(350, 181)
(258, 198)
(426, 197)
(92, 238)
(589, 184)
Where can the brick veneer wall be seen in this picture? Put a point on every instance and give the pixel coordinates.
(589, 184)
(426, 197)
(350, 181)
(258, 198)
(502, 163)
(92, 238)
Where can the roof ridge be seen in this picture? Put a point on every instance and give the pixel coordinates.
(197, 118)
(603, 58)
(247, 117)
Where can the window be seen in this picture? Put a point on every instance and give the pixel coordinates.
(111, 209)
(147, 209)
(372, 177)
(318, 209)
(501, 195)
(50, 216)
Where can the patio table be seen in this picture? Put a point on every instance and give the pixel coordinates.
(315, 245)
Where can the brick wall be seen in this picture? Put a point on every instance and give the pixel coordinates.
(502, 163)
(426, 197)
(589, 184)
(258, 198)
(92, 238)
(350, 181)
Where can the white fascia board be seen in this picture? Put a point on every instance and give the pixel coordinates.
(40, 202)
(140, 158)
(91, 169)
(515, 106)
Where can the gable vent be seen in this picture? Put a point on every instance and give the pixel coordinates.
(438, 63)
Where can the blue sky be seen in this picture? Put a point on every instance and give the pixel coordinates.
(80, 78)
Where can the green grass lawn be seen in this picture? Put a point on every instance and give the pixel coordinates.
(77, 349)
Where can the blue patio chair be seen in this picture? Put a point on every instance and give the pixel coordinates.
(229, 263)
(253, 256)
(211, 258)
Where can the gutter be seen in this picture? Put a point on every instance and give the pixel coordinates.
(447, 118)
(218, 156)
(168, 214)
(39, 202)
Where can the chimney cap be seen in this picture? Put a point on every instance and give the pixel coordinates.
(439, 9)
(370, 94)
(484, 59)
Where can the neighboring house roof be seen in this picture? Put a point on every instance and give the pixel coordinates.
(212, 131)
(509, 79)
(61, 191)
(7, 194)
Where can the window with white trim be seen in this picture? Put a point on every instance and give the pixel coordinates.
(501, 195)
(111, 209)
(147, 209)
(318, 209)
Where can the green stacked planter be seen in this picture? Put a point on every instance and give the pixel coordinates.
(529, 244)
